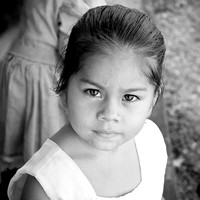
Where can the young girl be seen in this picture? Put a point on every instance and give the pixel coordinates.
(110, 82)
(30, 112)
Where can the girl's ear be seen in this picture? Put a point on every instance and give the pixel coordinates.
(154, 101)
(156, 97)
(63, 98)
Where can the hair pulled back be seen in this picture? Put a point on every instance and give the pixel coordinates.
(108, 28)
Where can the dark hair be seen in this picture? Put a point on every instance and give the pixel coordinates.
(113, 27)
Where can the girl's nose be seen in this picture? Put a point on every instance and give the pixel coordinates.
(109, 112)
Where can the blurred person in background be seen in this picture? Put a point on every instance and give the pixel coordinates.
(30, 111)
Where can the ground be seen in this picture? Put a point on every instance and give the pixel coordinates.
(180, 24)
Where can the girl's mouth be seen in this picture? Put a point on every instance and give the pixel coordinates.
(105, 134)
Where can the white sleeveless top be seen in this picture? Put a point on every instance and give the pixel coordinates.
(62, 179)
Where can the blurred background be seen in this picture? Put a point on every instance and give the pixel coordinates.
(179, 21)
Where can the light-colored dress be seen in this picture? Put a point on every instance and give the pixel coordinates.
(62, 179)
(30, 112)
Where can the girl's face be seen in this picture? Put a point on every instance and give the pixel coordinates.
(109, 99)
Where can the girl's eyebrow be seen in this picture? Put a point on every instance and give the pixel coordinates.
(137, 89)
(86, 81)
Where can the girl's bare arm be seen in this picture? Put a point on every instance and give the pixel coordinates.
(32, 190)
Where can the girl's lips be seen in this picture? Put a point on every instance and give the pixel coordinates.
(107, 134)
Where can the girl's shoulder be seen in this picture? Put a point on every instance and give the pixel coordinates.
(151, 139)
(150, 129)
(151, 123)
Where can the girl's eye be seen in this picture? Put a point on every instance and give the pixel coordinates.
(130, 98)
(93, 92)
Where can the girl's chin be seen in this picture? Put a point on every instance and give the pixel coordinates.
(106, 146)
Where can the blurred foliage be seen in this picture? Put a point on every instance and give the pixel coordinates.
(179, 20)
(171, 5)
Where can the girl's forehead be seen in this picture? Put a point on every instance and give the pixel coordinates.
(121, 67)
(114, 60)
